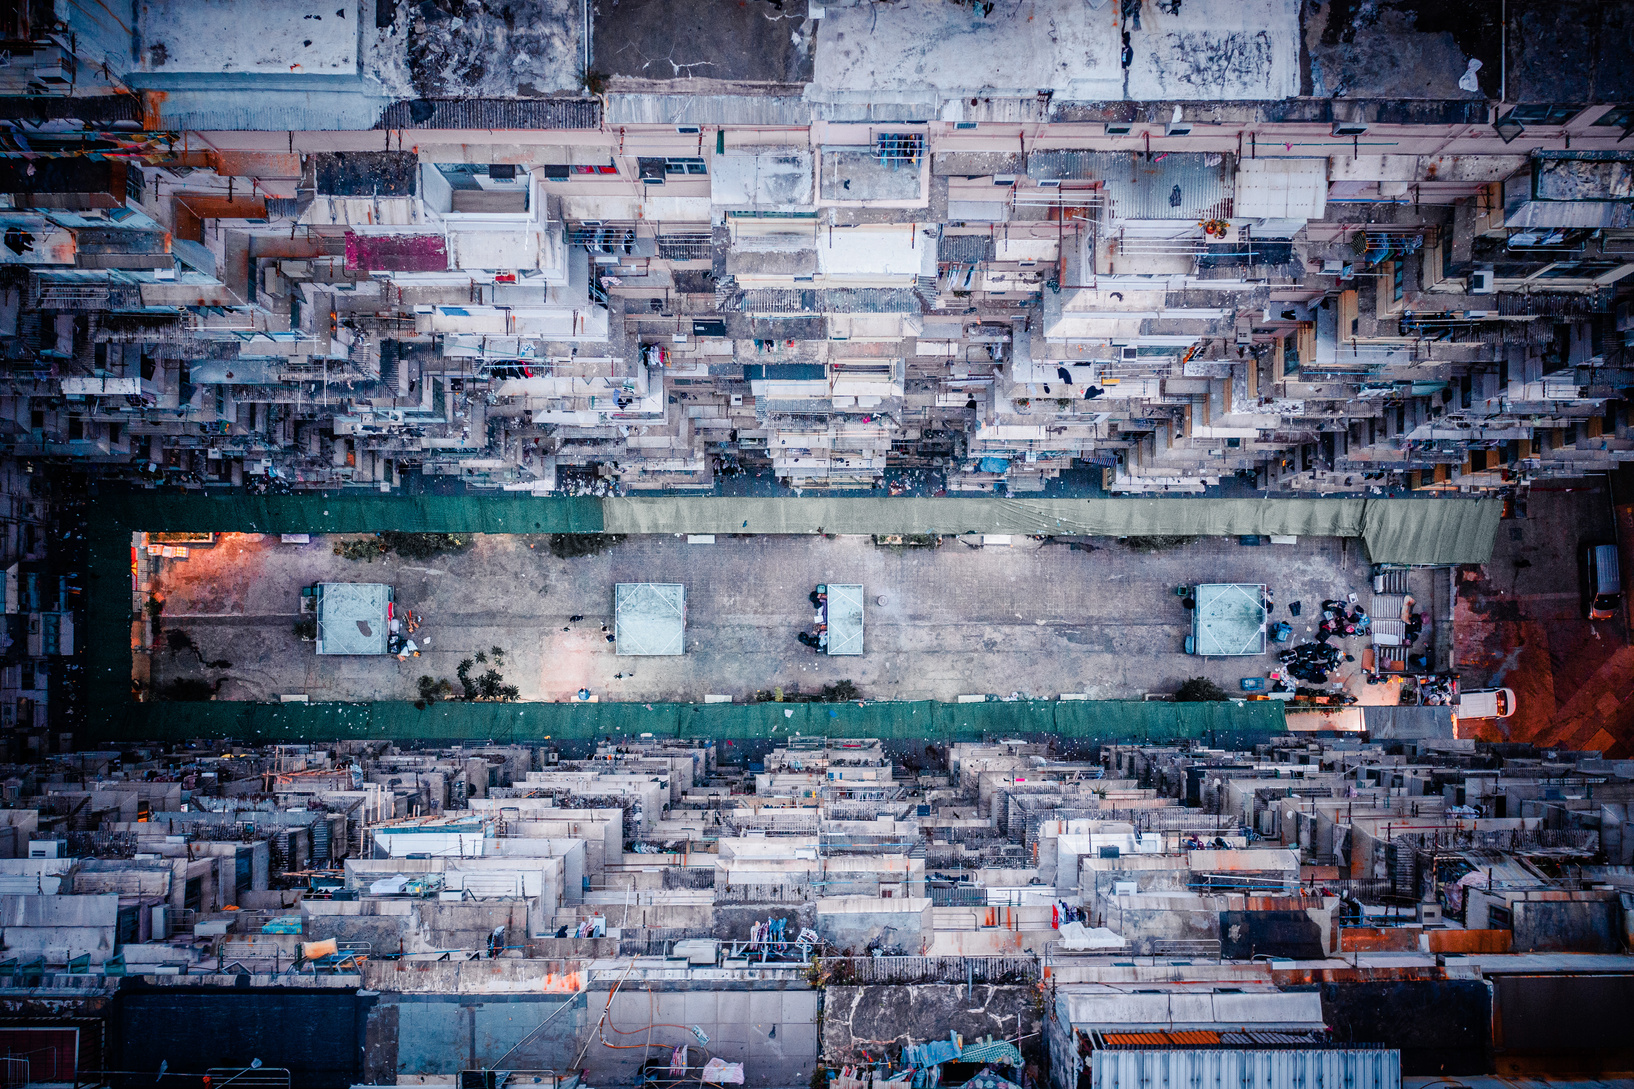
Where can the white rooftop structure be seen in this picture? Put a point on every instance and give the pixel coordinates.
(649, 618)
(352, 617)
(844, 619)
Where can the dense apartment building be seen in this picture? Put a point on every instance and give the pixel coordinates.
(894, 250)
(1371, 906)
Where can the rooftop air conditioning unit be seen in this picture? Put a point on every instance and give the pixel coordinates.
(1128, 353)
(1481, 282)
(1119, 128)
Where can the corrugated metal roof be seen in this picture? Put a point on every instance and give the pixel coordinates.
(876, 111)
(839, 300)
(491, 113)
(396, 252)
(768, 110)
(871, 300)
(269, 110)
(1171, 185)
(964, 249)
(91, 109)
(1195, 1038)
(1246, 1069)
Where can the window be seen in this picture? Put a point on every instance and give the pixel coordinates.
(685, 166)
(609, 168)
(1578, 270)
(1542, 114)
(1620, 117)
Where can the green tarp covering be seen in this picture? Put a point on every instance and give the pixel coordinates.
(1105, 720)
(1404, 531)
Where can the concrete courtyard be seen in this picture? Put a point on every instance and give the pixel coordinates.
(1035, 618)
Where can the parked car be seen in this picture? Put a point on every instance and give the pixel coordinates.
(1486, 703)
(1605, 581)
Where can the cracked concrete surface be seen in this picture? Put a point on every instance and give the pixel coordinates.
(1210, 49)
(754, 41)
(499, 48)
(863, 1022)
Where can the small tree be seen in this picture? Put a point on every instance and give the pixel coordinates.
(424, 546)
(1199, 690)
(840, 692)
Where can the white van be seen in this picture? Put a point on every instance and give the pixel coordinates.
(1486, 703)
(1605, 584)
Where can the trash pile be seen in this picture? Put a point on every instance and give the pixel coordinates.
(400, 624)
(1312, 661)
(817, 641)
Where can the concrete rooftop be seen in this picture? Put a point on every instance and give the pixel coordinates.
(956, 620)
(1211, 49)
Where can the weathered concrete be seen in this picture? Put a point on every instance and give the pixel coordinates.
(860, 1023)
(1211, 49)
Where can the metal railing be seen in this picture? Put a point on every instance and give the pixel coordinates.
(759, 894)
(1186, 947)
(679, 878)
(839, 970)
(249, 1077)
(13, 1072)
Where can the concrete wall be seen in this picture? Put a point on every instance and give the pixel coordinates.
(858, 1020)
(416, 926)
(316, 1034)
(1566, 926)
(772, 1032)
(1441, 1027)
(856, 922)
(1146, 918)
(59, 927)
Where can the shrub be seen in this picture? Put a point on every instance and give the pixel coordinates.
(1160, 542)
(424, 546)
(840, 692)
(570, 545)
(1199, 690)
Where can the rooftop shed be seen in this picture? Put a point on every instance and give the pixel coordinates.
(649, 618)
(844, 619)
(1229, 619)
(352, 617)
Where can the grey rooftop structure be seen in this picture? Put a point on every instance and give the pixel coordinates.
(1229, 619)
(352, 617)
